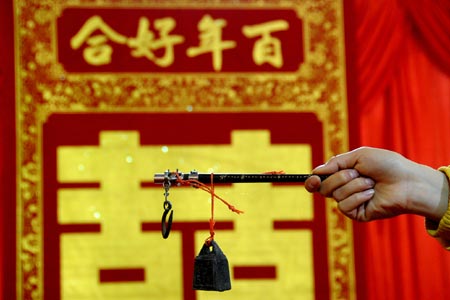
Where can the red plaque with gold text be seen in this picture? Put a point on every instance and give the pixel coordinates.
(111, 92)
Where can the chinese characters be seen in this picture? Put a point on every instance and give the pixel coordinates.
(110, 242)
(211, 40)
(157, 41)
(98, 52)
(268, 48)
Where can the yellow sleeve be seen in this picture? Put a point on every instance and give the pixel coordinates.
(441, 230)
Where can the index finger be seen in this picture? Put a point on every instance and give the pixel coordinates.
(339, 162)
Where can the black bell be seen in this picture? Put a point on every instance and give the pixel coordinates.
(211, 272)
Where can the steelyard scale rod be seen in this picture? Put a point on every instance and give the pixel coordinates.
(218, 178)
(168, 179)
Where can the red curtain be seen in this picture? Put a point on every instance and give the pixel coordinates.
(402, 74)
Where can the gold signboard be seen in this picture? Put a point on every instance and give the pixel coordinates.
(111, 92)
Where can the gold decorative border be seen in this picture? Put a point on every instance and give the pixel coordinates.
(43, 87)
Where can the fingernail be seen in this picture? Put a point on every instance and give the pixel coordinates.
(354, 173)
(369, 192)
(369, 182)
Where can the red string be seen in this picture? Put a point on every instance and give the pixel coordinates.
(274, 172)
(209, 189)
(211, 221)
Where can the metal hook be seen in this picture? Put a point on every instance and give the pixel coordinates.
(166, 225)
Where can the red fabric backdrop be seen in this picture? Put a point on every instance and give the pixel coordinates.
(402, 70)
(400, 63)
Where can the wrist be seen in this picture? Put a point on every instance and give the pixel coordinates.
(430, 193)
(445, 201)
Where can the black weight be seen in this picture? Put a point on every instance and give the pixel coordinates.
(211, 272)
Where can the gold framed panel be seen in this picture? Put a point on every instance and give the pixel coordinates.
(44, 87)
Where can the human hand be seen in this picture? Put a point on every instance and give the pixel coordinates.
(370, 183)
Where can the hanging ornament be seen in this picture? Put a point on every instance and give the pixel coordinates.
(211, 272)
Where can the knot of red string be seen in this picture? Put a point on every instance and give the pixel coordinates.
(210, 190)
